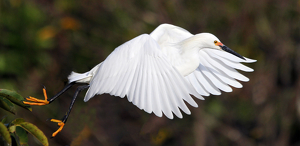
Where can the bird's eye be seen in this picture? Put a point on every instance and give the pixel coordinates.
(215, 42)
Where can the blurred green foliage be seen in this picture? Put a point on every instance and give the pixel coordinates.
(43, 41)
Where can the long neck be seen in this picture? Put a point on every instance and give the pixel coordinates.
(192, 44)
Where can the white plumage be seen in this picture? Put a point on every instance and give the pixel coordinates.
(158, 72)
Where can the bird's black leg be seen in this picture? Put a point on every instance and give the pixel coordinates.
(78, 90)
(62, 122)
(61, 92)
(36, 101)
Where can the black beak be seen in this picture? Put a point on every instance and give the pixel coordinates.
(225, 48)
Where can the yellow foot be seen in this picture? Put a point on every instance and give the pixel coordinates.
(36, 101)
(60, 124)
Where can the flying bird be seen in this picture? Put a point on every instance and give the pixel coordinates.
(157, 72)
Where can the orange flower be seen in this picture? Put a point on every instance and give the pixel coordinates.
(46, 32)
(69, 23)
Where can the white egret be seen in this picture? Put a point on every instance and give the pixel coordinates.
(158, 72)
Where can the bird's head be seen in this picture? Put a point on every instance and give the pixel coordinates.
(210, 41)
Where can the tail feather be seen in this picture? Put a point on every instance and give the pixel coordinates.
(79, 78)
(83, 77)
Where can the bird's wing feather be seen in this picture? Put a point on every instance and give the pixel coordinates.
(166, 34)
(217, 70)
(139, 70)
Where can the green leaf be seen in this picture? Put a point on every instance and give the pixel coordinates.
(23, 138)
(3, 120)
(32, 129)
(7, 105)
(15, 98)
(5, 133)
(12, 129)
(17, 121)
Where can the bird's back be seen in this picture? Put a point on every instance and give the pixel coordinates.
(167, 34)
(168, 38)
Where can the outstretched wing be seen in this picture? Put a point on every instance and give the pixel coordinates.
(139, 70)
(166, 34)
(217, 71)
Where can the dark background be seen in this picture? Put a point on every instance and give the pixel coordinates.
(42, 41)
